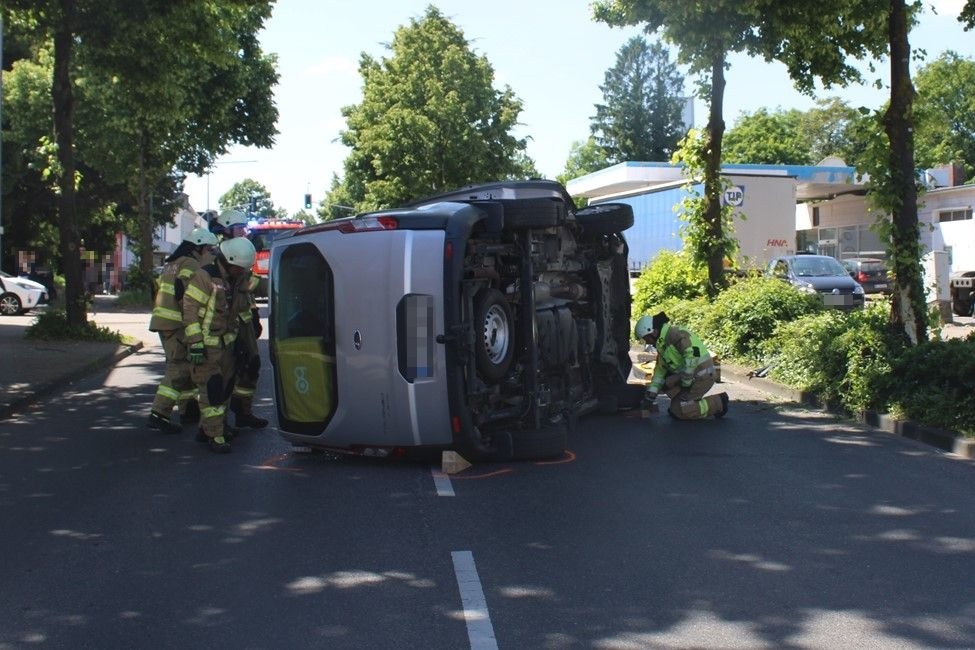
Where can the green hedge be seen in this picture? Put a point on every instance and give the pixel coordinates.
(856, 359)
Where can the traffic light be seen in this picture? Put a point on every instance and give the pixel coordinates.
(307, 201)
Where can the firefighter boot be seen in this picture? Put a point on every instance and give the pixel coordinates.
(190, 412)
(243, 416)
(161, 423)
(218, 444)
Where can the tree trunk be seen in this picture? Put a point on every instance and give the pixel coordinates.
(908, 309)
(61, 94)
(712, 176)
(145, 214)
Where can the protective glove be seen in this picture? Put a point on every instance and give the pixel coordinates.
(650, 396)
(686, 379)
(256, 322)
(683, 396)
(197, 354)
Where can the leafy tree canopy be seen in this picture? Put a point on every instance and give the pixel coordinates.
(249, 196)
(430, 120)
(641, 114)
(585, 157)
(767, 138)
(945, 112)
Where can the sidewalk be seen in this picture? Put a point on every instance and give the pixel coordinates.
(31, 369)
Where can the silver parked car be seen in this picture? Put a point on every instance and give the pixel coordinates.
(484, 320)
(822, 275)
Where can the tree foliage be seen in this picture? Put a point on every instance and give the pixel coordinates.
(945, 112)
(248, 193)
(430, 120)
(641, 114)
(768, 138)
(140, 90)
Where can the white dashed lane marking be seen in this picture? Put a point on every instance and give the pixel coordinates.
(480, 632)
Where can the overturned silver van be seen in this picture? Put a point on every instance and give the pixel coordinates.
(484, 320)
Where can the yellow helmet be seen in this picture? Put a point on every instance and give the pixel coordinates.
(239, 252)
(201, 237)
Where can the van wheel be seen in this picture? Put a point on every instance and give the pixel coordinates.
(605, 219)
(494, 334)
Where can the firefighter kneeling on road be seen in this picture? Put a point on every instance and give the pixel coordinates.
(210, 309)
(684, 370)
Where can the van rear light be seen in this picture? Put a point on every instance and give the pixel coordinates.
(263, 262)
(368, 224)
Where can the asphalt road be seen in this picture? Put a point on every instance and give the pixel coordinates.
(773, 528)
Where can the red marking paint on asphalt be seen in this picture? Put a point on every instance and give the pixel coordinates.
(269, 464)
(568, 458)
(506, 470)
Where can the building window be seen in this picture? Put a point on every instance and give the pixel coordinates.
(815, 217)
(955, 214)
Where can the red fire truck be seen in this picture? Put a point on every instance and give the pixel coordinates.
(262, 233)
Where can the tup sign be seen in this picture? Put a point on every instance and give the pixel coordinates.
(734, 195)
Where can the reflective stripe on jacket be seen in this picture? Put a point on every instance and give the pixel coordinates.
(167, 314)
(678, 351)
(210, 307)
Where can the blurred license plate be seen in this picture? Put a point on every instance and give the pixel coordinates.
(834, 300)
(880, 286)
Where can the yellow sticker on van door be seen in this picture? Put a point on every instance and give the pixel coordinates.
(306, 379)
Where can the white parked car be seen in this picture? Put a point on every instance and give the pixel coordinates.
(19, 295)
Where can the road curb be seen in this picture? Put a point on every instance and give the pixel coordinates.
(44, 389)
(934, 436)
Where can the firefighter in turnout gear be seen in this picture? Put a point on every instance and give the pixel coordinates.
(248, 359)
(229, 224)
(210, 316)
(684, 370)
(176, 387)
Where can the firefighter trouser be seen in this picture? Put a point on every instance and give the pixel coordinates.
(209, 378)
(694, 406)
(247, 367)
(176, 387)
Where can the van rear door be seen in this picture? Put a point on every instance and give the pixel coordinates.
(378, 377)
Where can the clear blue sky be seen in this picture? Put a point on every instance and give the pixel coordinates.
(550, 52)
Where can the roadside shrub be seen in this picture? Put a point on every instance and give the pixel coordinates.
(671, 276)
(52, 325)
(139, 297)
(746, 314)
(800, 351)
(842, 357)
(935, 383)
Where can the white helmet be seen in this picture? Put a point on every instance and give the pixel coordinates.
(643, 327)
(230, 218)
(201, 237)
(238, 251)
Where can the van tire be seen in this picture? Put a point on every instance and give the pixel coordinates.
(494, 334)
(605, 219)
